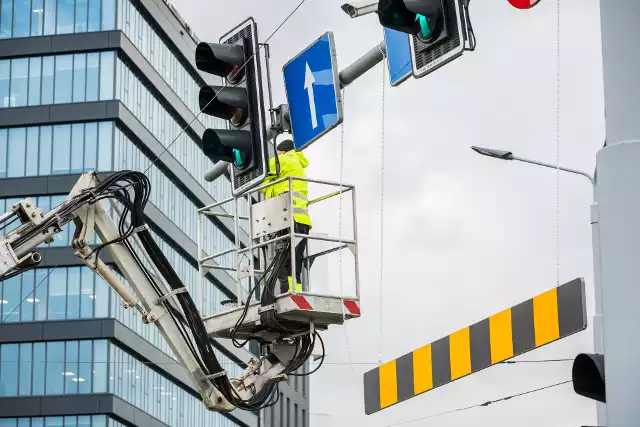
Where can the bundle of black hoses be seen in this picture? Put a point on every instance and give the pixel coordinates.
(304, 343)
(132, 190)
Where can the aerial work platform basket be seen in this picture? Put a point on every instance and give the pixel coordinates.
(270, 226)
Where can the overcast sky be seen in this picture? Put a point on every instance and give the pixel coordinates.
(465, 236)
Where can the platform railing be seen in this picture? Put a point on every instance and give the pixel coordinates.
(208, 262)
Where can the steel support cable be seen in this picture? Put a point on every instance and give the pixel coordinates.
(558, 134)
(480, 405)
(382, 153)
(344, 314)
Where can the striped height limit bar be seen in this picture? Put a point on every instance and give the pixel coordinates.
(548, 317)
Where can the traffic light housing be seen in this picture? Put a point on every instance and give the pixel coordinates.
(421, 18)
(588, 376)
(239, 101)
(438, 30)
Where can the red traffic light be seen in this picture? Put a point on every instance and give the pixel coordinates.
(523, 4)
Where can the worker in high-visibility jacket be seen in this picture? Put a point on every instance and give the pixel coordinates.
(292, 163)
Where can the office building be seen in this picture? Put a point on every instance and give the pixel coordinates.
(107, 85)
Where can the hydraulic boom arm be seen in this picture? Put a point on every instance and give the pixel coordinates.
(156, 291)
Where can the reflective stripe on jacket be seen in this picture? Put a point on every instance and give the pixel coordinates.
(292, 163)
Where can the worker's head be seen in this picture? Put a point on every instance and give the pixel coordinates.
(284, 146)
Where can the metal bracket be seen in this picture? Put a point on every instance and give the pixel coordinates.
(222, 373)
(84, 221)
(28, 212)
(266, 308)
(7, 258)
(351, 247)
(143, 227)
(171, 294)
(595, 214)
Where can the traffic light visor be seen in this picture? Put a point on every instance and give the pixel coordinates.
(228, 103)
(588, 376)
(395, 15)
(224, 60)
(421, 18)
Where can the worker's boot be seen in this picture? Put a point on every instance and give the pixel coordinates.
(290, 285)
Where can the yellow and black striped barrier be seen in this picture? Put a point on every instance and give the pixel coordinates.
(548, 317)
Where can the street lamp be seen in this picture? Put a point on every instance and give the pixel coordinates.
(595, 238)
(508, 155)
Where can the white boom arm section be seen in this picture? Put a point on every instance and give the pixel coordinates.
(84, 208)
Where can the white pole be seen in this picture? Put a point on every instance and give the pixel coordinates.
(618, 181)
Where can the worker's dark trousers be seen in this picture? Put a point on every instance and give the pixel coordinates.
(285, 271)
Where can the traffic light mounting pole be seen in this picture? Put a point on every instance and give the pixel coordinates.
(363, 64)
(618, 181)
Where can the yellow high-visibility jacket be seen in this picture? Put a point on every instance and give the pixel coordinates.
(292, 163)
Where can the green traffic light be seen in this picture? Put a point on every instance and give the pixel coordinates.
(239, 162)
(424, 26)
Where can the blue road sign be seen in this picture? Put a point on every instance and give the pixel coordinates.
(398, 56)
(313, 91)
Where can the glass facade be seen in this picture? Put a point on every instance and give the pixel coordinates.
(63, 293)
(98, 366)
(74, 293)
(66, 421)
(25, 18)
(69, 293)
(61, 79)
(152, 114)
(163, 60)
(76, 148)
(168, 197)
(54, 150)
(78, 283)
(57, 79)
(138, 384)
(53, 368)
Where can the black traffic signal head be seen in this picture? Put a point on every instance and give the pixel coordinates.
(239, 101)
(588, 376)
(229, 146)
(230, 103)
(223, 60)
(421, 18)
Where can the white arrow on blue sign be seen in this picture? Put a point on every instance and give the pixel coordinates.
(311, 81)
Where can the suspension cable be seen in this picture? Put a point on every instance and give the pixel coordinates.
(384, 83)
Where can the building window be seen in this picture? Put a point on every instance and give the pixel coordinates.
(288, 412)
(53, 368)
(58, 79)
(24, 18)
(46, 150)
(67, 421)
(5, 83)
(19, 82)
(162, 59)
